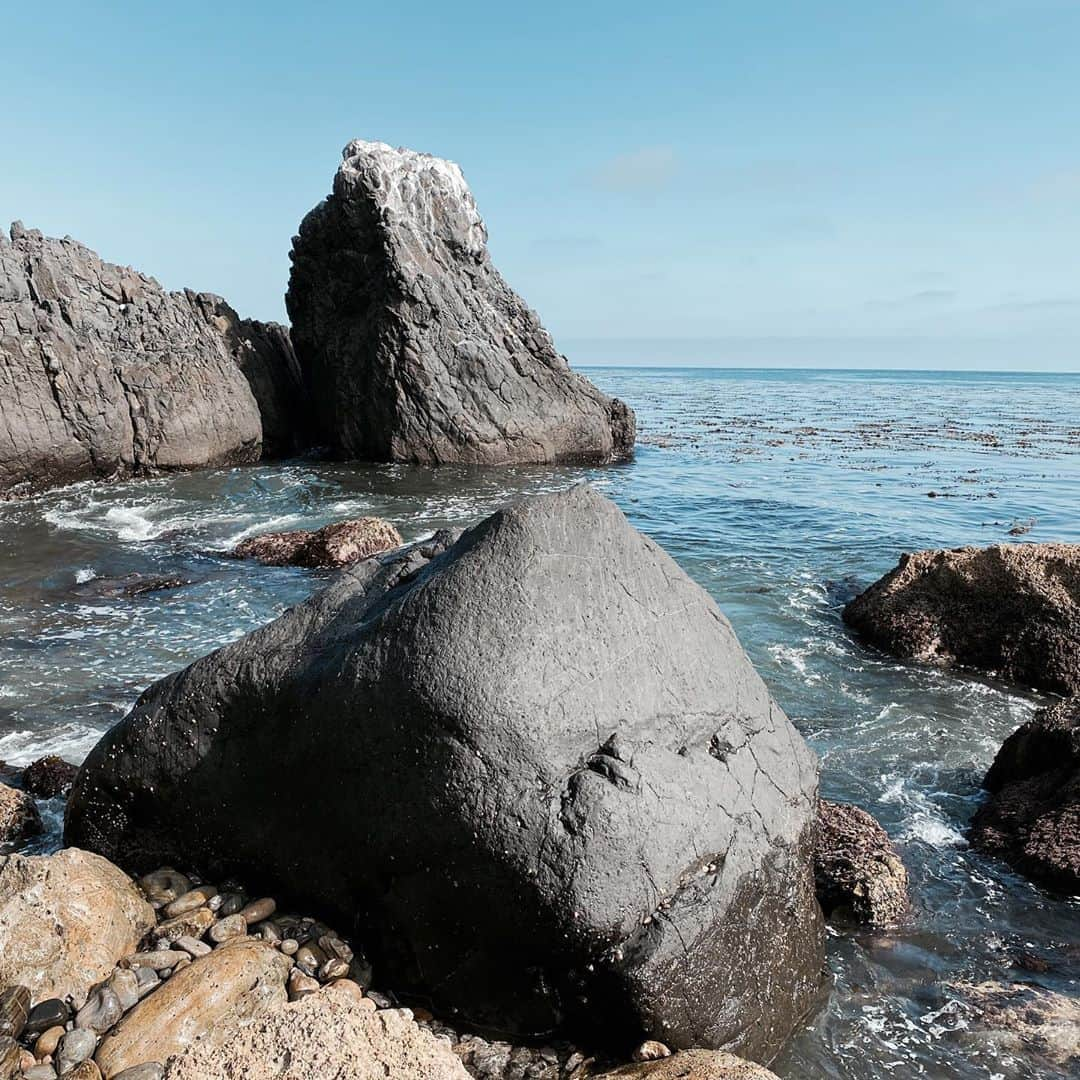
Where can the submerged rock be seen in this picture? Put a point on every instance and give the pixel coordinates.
(65, 921)
(413, 346)
(553, 791)
(19, 818)
(324, 1035)
(1033, 816)
(339, 544)
(858, 873)
(102, 372)
(49, 776)
(1012, 610)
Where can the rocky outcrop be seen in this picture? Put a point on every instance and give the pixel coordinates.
(65, 921)
(1032, 818)
(858, 873)
(413, 346)
(1012, 610)
(49, 776)
(339, 544)
(104, 373)
(691, 1065)
(19, 818)
(325, 1035)
(553, 791)
(229, 986)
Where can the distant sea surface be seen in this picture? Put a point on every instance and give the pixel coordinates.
(783, 492)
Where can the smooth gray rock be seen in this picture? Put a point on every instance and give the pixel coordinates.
(552, 791)
(103, 373)
(413, 346)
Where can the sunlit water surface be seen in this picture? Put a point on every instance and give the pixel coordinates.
(781, 493)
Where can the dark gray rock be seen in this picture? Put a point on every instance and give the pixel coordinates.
(103, 373)
(1012, 610)
(534, 766)
(413, 346)
(1032, 818)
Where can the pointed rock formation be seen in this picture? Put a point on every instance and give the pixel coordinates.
(413, 346)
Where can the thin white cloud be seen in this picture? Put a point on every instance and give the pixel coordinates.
(645, 171)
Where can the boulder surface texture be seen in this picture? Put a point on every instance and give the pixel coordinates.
(1012, 610)
(413, 346)
(103, 372)
(858, 872)
(552, 790)
(65, 921)
(1033, 816)
(692, 1065)
(338, 544)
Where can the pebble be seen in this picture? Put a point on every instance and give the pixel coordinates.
(651, 1050)
(229, 927)
(86, 1070)
(347, 988)
(148, 1070)
(124, 983)
(14, 1009)
(155, 961)
(309, 958)
(76, 1046)
(26, 1060)
(101, 1011)
(300, 985)
(148, 980)
(190, 924)
(192, 945)
(381, 1000)
(9, 1056)
(45, 1015)
(164, 886)
(289, 946)
(192, 899)
(268, 930)
(333, 969)
(48, 1041)
(40, 1072)
(258, 910)
(334, 946)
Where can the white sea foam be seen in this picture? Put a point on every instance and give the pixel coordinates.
(87, 573)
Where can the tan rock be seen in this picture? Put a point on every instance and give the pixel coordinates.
(19, 817)
(326, 1036)
(65, 921)
(237, 982)
(191, 924)
(340, 544)
(692, 1065)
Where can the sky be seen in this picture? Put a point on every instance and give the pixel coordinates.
(811, 183)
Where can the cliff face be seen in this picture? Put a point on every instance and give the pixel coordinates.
(103, 372)
(413, 346)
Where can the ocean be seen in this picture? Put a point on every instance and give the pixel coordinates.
(783, 493)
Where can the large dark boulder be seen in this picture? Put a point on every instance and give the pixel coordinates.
(534, 766)
(103, 372)
(1012, 610)
(414, 347)
(1032, 818)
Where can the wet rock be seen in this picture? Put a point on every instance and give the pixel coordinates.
(1029, 1020)
(324, 1035)
(552, 822)
(857, 871)
(258, 910)
(65, 921)
(413, 346)
(19, 818)
(692, 1065)
(49, 776)
(301, 985)
(129, 587)
(164, 886)
(340, 544)
(1032, 818)
(238, 981)
(14, 1010)
(102, 372)
(1012, 610)
(50, 1013)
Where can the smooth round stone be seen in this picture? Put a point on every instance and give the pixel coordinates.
(333, 969)
(229, 927)
(14, 1009)
(381, 1000)
(157, 960)
(192, 945)
(148, 1070)
(46, 1014)
(332, 945)
(258, 910)
(192, 899)
(48, 1041)
(101, 1011)
(86, 1070)
(651, 1050)
(289, 946)
(124, 983)
(232, 904)
(148, 980)
(300, 985)
(26, 1060)
(348, 988)
(309, 958)
(190, 924)
(164, 886)
(39, 1072)
(77, 1045)
(267, 930)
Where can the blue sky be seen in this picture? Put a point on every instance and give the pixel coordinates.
(777, 182)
